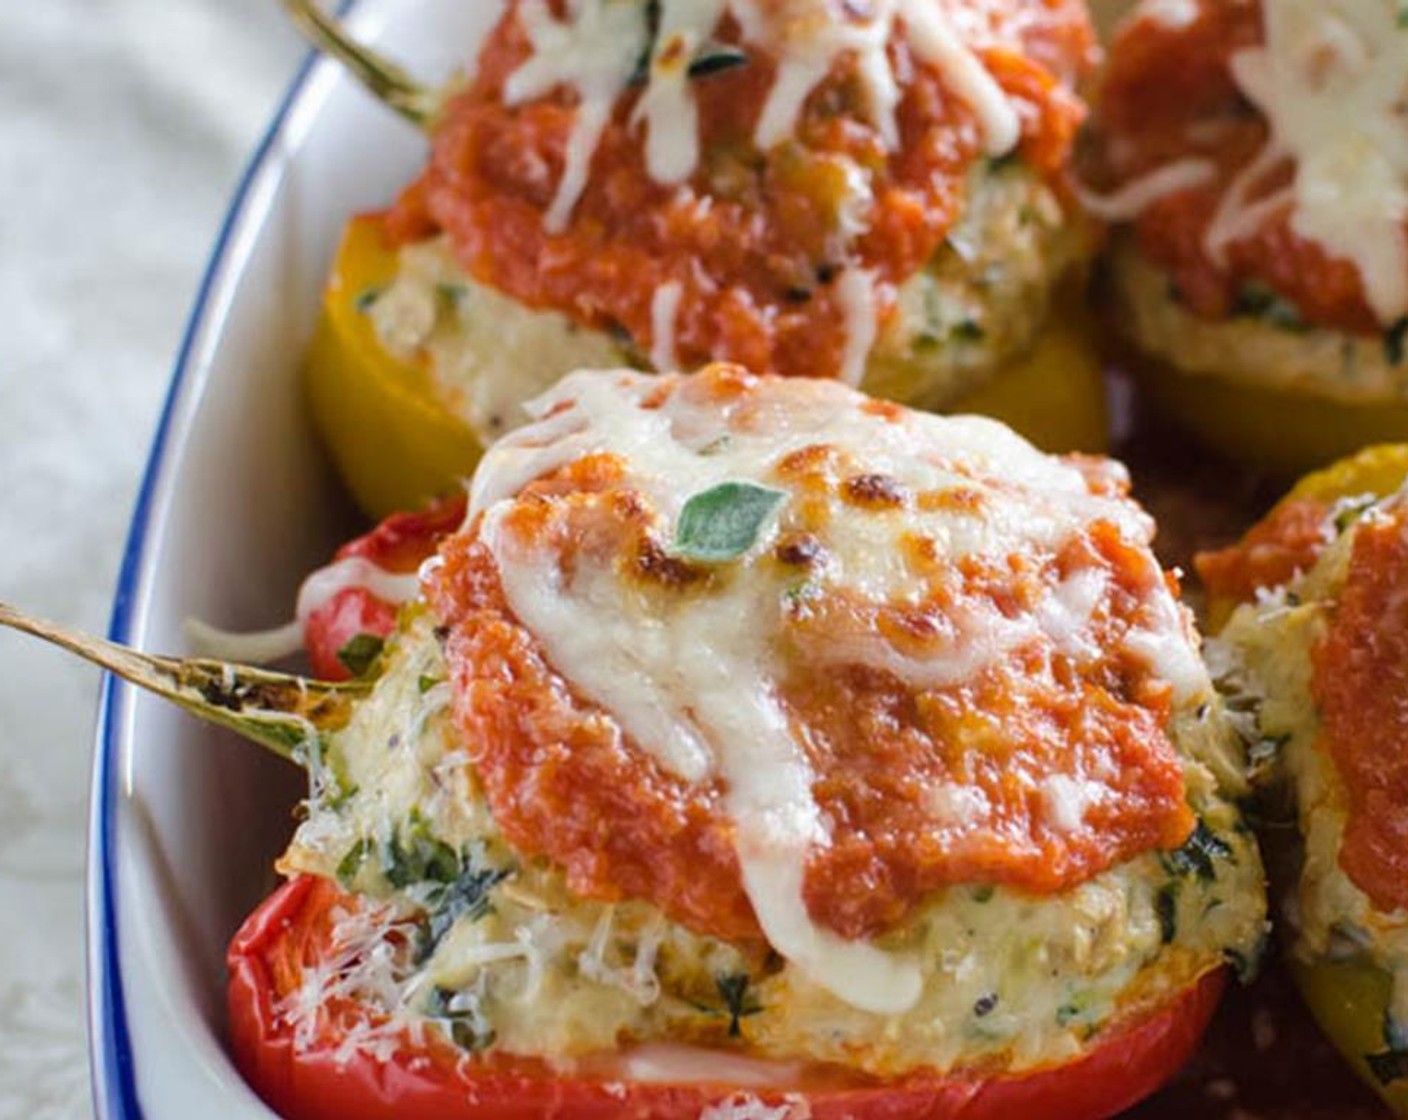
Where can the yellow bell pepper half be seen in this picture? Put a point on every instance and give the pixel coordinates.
(1282, 432)
(1349, 1001)
(393, 441)
(397, 444)
(1055, 395)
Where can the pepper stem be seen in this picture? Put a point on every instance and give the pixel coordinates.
(286, 714)
(383, 79)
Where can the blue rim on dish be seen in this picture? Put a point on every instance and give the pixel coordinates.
(109, 1043)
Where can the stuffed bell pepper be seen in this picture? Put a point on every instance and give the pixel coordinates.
(1314, 655)
(875, 193)
(1253, 157)
(745, 747)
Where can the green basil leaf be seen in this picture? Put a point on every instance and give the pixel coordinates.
(723, 523)
(1198, 855)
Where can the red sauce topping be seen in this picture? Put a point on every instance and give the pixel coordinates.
(756, 240)
(920, 787)
(1284, 543)
(1361, 687)
(1169, 94)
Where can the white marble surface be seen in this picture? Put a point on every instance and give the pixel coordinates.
(123, 128)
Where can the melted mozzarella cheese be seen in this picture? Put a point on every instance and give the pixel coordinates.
(1332, 82)
(354, 571)
(695, 685)
(595, 53)
(1132, 199)
(596, 50)
(1170, 13)
(856, 290)
(317, 590)
(664, 310)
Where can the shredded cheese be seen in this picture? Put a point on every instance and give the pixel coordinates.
(596, 47)
(664, 309)
(1132, 199)
(1331, 79)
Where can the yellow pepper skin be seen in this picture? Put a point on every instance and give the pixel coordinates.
(1285, 433)
(1055, 396)
(1348, 1001)
(394, 443)
(1377, 470)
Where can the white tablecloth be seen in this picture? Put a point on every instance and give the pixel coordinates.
(123, 127)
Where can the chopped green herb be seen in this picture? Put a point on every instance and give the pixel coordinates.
(1073, 1011)
(467, 896)
(1166, 907)
(1004, 161)
(453, 294)
(1257, 301)
(714, 58)
(926, 342)
(739, 1002)
(1396, 337)
(352, 862)
(968, 331)
(427, 682)
(1198, 854)
(1351, 510)
(368, 296)
(984, 893)
(360, 654)
(714, 446)
(467, 1029)
(985, 1005)
(723, 523)
(420, 858)
(799, 594)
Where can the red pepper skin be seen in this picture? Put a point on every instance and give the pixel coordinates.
(398, 545)
(289, 931)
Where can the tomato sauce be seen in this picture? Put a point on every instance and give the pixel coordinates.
(757, 240)
(1283, 544)
(1360, 684)
(566, 782)
(1169, 94)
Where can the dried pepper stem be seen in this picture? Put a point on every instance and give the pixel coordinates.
(284, 713)
(384, 79)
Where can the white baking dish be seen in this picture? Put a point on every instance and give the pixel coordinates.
(236, 506)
